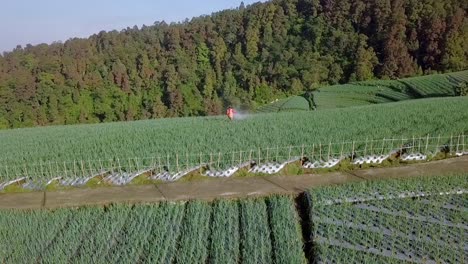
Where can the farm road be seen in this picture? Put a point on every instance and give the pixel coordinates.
(224, 187)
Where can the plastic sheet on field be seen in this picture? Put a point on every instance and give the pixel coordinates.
(413, 157)
(226, 173)
(125, 177)
(81, 181)
(461, 153)
(272, 167)
(3, 185)
(372, 159)
(167, 176)
(321, 164)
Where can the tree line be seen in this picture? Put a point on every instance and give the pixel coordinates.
(246, 57)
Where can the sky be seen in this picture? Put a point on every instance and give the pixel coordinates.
(44, 21)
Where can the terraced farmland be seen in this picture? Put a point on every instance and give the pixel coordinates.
(412, 220)
(385, 91)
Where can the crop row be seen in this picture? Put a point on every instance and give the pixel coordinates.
(249, 231)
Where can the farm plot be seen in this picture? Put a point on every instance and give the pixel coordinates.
(384, 91)
(417, 220)
(121, 149)
(225, 231)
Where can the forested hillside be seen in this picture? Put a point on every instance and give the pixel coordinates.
(246, 56)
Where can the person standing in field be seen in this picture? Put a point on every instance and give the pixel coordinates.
(230, 113)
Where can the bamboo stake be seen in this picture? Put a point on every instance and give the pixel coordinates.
(74, 168)
(200, 169)
(313, 151)
(119, 166)
(427, 144)
(320, 155)
(40, 164)
(57, 169)
(438, 142)
(329, 149)
(451, 143)
(365, 149)
(458, 142)
(219, 158)
(419, 145)
(82, 169)
(277, 149)
(342, 148)
(258, 156)
(177, 162)
(65, 168)
(289, 153)
(167, 160)
(159, 164)
(401, 146)
(383, 145)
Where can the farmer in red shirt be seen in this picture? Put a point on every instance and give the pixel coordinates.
(230, 113)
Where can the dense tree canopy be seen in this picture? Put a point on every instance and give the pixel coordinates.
(246, 56)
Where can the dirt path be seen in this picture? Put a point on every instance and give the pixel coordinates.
(227, 187)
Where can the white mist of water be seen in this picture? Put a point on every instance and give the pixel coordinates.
(241, 115)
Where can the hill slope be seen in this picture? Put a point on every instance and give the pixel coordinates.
(244, 56)
(375, 92)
